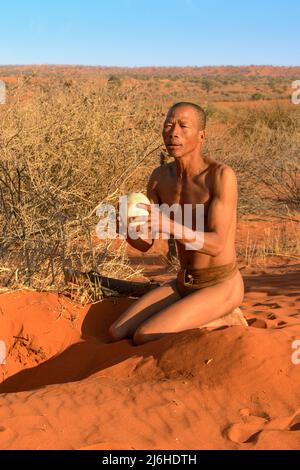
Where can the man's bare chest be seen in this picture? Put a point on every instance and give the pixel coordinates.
(172, 191)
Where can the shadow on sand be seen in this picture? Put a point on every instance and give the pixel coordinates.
(95, 352)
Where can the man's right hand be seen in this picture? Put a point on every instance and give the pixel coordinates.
(140, 244)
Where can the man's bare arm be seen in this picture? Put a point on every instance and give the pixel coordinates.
(221, 211)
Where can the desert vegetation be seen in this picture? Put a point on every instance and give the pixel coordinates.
(71, 139)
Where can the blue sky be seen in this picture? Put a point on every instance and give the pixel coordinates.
(150, 32)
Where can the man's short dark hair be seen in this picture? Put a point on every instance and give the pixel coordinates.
(200, 112)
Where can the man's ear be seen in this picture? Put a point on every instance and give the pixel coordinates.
(202, 135)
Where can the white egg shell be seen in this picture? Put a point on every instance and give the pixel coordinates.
(133, 210)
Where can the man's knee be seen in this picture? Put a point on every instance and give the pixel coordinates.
(116, 332)
(144, 335)
(139, 336)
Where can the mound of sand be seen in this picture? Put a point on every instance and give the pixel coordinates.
(66, 386)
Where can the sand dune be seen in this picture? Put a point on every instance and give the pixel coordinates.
(66, 386)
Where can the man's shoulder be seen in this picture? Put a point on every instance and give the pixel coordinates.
(222, 171)
(162, 170)
(224, 179)
(156, 172)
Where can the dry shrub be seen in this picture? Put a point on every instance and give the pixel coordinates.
(66, 147)
(280, 240)
(263, 146)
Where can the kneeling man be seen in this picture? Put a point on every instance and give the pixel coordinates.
(209, 284)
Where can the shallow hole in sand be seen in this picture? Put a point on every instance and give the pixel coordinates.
(253, 439)
(282, 323)
(295, 427)
(44, 349)
(257, 323)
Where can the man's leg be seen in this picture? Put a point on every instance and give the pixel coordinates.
(193, 311)
(151, 303)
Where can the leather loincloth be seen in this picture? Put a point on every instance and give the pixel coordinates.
(191, 280)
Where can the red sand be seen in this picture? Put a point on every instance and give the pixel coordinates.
(65, 386)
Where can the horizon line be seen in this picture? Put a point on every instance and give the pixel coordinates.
(145, 66)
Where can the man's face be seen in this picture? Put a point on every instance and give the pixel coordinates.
(181, 131)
